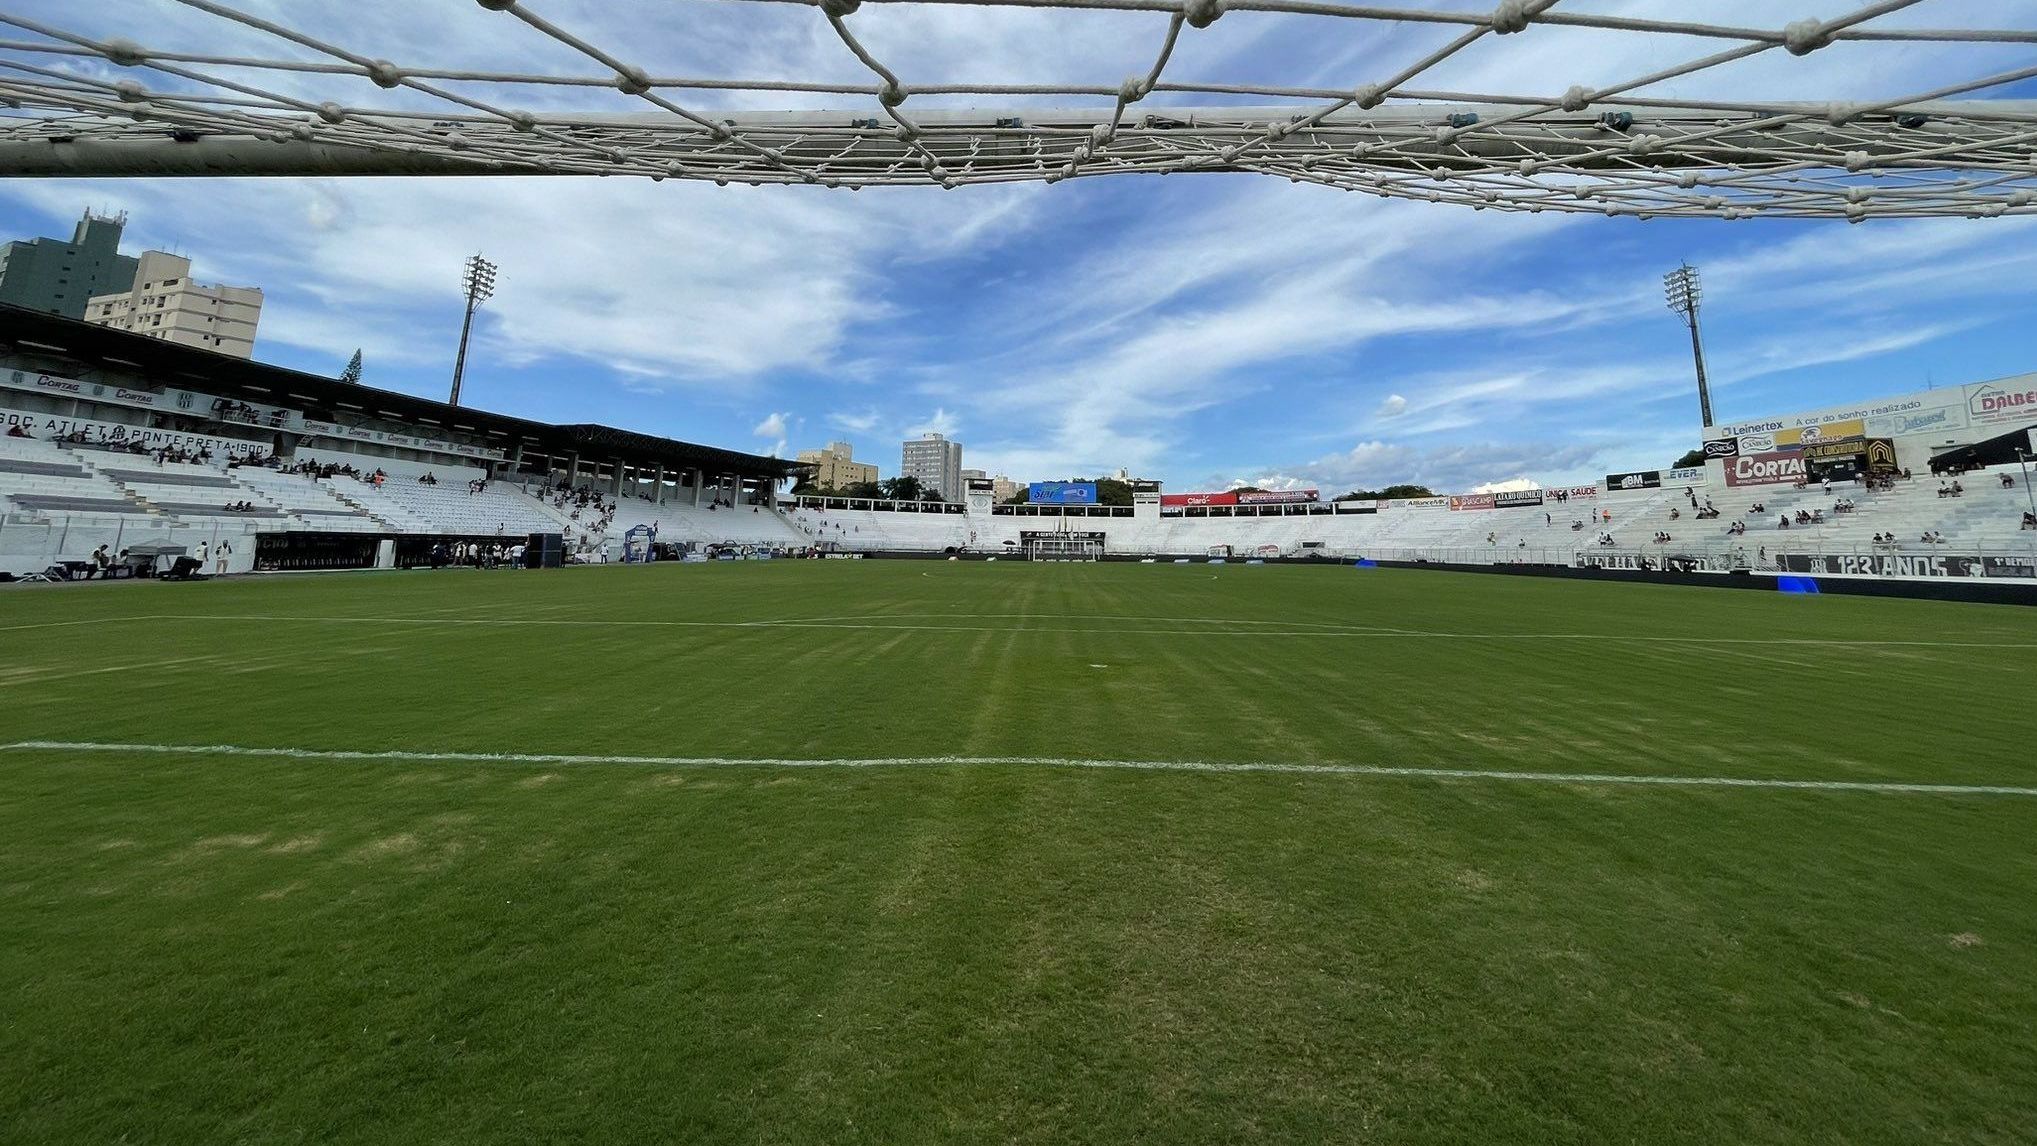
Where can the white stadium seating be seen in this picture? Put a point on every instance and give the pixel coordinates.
(678, 520)
(59, 503)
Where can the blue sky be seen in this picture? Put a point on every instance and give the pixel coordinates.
(1200, 329)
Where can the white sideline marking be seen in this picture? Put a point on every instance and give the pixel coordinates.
(1353, 631)
(1034, 761)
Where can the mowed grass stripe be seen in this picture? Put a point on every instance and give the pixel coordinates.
(1319, 630)
(923, 762)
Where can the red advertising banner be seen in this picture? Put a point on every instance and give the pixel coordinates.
(1277, 496)
(1179, 499)
(1786, 468)
(1472, 501)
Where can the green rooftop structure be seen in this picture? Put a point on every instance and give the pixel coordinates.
(58, 277)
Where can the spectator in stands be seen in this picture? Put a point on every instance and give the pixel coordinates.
(1958, 490)
(2029, 520)
(1782, 521)
(2008, 481)
(16, 431)
(426, 478)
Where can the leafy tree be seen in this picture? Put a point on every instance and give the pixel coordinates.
(353, 371)
(1693, 458)
(905, 487)
(1111, 491)
(1388, 494)
(863, 489)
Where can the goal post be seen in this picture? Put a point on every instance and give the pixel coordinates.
(1063, 547)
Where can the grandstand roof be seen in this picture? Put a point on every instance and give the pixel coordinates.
(167, 363)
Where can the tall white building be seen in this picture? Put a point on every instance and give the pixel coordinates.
(164, 303)
(937, 463)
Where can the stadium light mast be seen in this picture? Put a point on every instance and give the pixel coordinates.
(480, 284)
(2023, 459)
(1686, 292)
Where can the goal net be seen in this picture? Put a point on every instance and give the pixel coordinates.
(1898, 108)
(1064, 547)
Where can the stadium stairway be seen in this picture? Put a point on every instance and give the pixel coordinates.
(310, 505)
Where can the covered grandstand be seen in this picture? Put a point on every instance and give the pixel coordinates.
(120, 440)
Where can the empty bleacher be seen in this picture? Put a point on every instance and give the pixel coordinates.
(39, 478)
(707, 525)
(410, 506)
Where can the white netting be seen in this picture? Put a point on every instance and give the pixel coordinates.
(89, 96)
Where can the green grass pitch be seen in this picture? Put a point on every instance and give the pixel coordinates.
(211, 947)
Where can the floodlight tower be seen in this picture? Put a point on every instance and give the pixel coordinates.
(480, 284)
(1685, 293)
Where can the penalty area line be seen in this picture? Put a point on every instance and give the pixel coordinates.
(1207, 766)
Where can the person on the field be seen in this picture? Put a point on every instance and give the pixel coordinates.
(221, 555)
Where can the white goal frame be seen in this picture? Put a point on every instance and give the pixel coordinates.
(1054, 548)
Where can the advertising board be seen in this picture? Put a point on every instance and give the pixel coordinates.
(1062, 493)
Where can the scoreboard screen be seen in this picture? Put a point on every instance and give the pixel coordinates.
(1062, 493)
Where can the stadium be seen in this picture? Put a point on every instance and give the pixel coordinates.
(382, 768)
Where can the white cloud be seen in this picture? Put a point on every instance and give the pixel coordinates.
(939, 422)
(1464, 468)
(855, 421)
(773, 426)
(1393, 406)
(777, 283)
